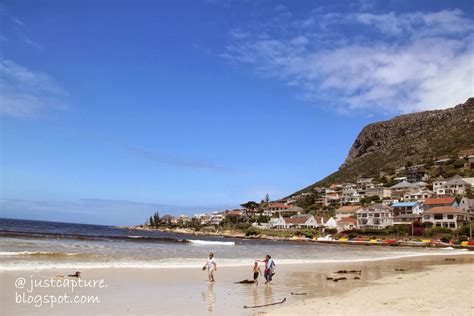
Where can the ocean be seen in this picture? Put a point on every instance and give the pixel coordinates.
(26, 245)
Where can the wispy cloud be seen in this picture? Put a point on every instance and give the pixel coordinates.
(390, 62)
(25, 93)
(168, 159)
(17, 21)
(32, 43)
(16, 28)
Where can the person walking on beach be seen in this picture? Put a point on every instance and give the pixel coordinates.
(211, 267)
(256, 272)
(269, 268)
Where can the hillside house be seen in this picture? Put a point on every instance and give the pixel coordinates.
(347, 211)
(183, 219)
(294, 222)
(332, 197)
(416, 173)
(346, 223)
(437, 202)
(401, 188)
(438, 184)
(216, 218)
(377, 216)
(467, 205)
(406, 212)
(466, 153)
(275, 208)
(456, 185)
(379, 191)
(420, 195)
(350, 197)
(330, 223)
(445, 216)
(470, 181)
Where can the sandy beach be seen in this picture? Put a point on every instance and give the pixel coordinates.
(440, 290)
(428, 285)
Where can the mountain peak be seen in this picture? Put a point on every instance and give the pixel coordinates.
(414, 138)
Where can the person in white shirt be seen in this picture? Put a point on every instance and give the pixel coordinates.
(211, 266)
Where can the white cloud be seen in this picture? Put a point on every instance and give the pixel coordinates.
(394, 63)
(32, 43)
(24, 93)
(17, 21)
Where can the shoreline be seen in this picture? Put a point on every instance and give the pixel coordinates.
(425, 243)
(281, 262)
(139, 291)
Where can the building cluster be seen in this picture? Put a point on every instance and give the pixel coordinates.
(404, 203)
(414, 199)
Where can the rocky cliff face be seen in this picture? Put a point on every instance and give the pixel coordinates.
(417, 137)
(415, 134)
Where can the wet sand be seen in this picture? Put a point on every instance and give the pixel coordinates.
(187, 292)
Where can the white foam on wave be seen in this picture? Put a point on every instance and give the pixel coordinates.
(36, 253)
(196, 263)
(211, 242)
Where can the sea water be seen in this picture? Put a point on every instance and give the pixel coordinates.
(28, 245)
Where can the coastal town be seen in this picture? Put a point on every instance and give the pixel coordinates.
(409, 202)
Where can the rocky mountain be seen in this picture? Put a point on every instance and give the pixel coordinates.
(411, 138)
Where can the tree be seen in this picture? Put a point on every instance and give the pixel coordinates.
(151, 221)
(306, 201)
(250, 205)
(470, 193)
(369, 199)
(267, 198)
(166, 220)
(156, 219)
(195, 224)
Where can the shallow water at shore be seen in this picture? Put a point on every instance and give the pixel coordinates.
(45, 245)
(186, 291)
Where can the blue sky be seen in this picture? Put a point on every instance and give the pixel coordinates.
(111, 110)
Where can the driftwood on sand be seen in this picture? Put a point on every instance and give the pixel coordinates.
(245, 282)
(337, 279)
(349, 271)
(264, 305)
(75, 275)
(294, 293)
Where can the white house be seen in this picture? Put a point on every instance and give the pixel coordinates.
(351, 196)
(346, 223)
(456, 185)
(399, 189)
(376, 216)
(331, 223)
(420, 195)
(381, 192)
(452, 186)
(439, 184)
(467, 205)
(445, 216)
(216, 218)
(297, 221)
